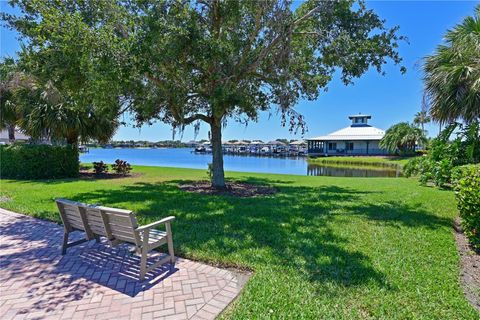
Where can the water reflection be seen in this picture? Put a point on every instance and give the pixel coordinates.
(335, 171)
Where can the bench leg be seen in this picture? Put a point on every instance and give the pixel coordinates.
(168, 228)
(65, 243)
(143, 264)
(170, 248)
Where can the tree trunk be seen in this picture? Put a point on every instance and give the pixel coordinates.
(72, 138)
(11, 133)
(420, 144)
(218, 178)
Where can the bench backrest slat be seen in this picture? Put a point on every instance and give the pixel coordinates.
(121, 224)
(73, 216)
(95, 221)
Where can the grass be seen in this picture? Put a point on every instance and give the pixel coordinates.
(322, 247)
(363, 161)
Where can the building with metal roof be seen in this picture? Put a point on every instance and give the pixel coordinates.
(360, 138)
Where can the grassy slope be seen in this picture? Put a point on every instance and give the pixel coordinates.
(322, 247)
(367, 161)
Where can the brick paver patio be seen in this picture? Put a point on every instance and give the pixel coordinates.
(95, 281)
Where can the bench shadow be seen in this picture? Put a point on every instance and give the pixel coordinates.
(31, 251)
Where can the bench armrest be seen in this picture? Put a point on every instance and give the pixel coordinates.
(155, 224)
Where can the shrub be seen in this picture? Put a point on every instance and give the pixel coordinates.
(467, 191)
(100, 167)
(121, 167)
(421, 167)
(442, 172)
(429, 170)
(29, 161)
(411, 168)
(421, 152)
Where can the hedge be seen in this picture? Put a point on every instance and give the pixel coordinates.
(25, 161)
(467, 190)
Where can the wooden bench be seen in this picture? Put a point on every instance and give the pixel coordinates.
(118, 226)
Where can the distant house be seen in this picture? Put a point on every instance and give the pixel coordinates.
(19, 137)
(191, 143)
(359, 138)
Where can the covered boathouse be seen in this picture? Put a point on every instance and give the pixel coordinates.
(359, 138)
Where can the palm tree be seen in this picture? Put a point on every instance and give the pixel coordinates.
(452, 74)
(54, 115)
(403, 137)
(9, 115)
(421, 118)
(66, 123)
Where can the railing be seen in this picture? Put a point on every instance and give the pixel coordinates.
(364, 151)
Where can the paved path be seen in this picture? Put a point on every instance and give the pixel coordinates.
(95, 281)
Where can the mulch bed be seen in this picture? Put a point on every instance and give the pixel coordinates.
(88, 175)
(237, 189)
(469, 267)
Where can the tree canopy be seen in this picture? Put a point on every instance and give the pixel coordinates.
(188, 61)
(452, 74)
(70, 82)
(8, 109)
(403, 137)
(421, 118)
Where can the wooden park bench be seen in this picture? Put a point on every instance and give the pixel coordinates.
(118, 226)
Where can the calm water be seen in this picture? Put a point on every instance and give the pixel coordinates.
(185, 158)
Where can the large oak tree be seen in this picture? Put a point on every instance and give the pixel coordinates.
(213, 61)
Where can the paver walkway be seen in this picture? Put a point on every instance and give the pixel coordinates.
(95, 281)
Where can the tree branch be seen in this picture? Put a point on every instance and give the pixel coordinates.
(155, 80)
(196, 117)
(306, 16)
(119, 113)
(265, 51)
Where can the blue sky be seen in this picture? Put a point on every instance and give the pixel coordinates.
(389, 99)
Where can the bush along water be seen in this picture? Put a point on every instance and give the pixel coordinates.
(100, 167)
(31, 161)
(444, 155)
(121, 167)
(466, 181)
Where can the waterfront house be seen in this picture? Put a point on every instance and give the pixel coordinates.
(359, 138)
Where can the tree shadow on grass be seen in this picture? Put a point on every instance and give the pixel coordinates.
(394, 214)
(295, 226)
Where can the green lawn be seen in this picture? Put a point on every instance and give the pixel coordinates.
(321, 248)
(362, 161)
